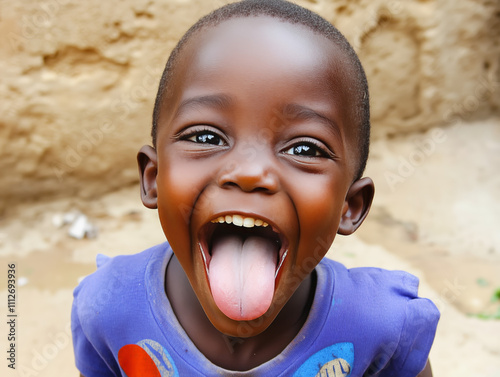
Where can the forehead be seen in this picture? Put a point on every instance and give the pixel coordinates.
(254, 45)
(269, 40)
(262, 40)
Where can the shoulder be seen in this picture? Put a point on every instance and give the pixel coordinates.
(122, 267)
(380, 293)
(374, 283)
(386, 305)
(115, 280)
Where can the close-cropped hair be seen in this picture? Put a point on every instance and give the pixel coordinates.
(293, 14)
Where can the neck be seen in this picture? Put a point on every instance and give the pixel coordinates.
(229, 352)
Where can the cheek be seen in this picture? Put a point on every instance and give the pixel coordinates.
(320, 211)
(173, 198)
(178, 187)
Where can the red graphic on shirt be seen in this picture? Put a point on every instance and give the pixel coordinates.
(135, 362)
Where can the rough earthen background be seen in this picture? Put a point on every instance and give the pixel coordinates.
(77, 83)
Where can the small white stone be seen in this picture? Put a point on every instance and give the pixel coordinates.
(82, 227)
(79, 227)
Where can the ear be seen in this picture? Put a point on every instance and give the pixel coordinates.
(148, 168)
(356, 206)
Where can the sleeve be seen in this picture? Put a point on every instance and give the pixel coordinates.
(87, 359)
(416, 339)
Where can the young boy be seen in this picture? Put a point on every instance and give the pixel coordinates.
(260, 133)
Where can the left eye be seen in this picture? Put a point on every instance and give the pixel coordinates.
(305, 149)
(206, 138)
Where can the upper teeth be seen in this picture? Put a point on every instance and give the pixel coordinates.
(247, 222)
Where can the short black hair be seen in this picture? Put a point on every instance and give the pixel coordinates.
(294, 14)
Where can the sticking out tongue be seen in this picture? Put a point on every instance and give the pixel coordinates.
(241, 275)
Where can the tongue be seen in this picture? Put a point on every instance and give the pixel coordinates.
(242, 275)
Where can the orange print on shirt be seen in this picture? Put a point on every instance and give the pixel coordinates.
(135, 362)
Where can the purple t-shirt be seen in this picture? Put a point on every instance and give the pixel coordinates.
(363, 322)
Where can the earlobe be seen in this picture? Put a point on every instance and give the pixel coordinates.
(356, 206)
(148, 169)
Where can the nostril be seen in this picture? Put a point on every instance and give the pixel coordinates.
(229, 184)
(247, 188)
(249, 177)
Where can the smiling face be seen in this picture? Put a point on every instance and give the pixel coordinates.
(253, 169)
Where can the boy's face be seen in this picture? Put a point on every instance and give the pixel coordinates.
(258, 128)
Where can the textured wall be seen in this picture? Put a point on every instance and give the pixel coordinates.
(78, 78)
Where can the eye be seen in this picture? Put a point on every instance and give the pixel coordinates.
(205, 137)
(306, 149)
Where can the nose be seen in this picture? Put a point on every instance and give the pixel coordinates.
(250, 173)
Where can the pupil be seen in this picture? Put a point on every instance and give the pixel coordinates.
(208, 138)
(304, 150)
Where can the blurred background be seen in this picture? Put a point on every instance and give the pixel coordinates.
(77, 84)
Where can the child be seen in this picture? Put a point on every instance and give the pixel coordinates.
(260, 134)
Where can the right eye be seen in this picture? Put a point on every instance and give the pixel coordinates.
(306, 150)
(205, 137)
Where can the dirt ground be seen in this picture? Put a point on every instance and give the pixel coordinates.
(436, 215)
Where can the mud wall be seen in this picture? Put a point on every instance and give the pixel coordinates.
(78, 78)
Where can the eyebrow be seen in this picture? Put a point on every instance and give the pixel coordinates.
(296, 111)
(217, 101)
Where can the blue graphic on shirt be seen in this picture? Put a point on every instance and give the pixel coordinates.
(332, 361)
(160, 356)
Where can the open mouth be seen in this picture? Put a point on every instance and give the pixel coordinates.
(243, 256)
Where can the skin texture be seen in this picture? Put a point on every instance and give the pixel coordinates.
(258, 121)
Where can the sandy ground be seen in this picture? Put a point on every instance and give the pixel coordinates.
(436, 214)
